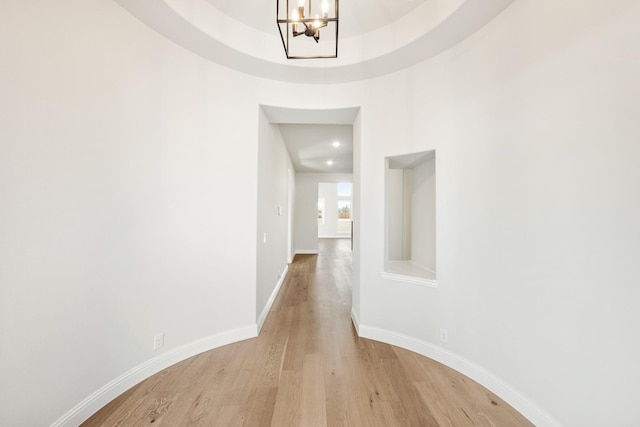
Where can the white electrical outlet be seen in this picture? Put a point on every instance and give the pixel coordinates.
(158, 341)
(444, 335)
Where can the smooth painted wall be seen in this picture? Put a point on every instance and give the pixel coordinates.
(125, 208)
(423, 212)
(117, 150)
(274, 167)
(535, 122)
(398, 241)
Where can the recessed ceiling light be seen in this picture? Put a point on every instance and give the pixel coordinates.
(336, 144)
(329, 162)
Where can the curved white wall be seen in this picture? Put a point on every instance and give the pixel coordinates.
(535, 122)
(120, 154)
(118, 147)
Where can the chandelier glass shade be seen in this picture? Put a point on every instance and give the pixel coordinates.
(308, 29)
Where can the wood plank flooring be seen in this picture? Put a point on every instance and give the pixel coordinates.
(309, 368)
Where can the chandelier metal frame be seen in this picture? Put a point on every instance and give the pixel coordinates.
(298, 23)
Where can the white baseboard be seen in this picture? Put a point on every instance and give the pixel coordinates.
(355, 320)
(83, 410)
(272, 298)
(306, 252)
(528, 409)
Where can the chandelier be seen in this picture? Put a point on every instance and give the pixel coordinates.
(301, 28)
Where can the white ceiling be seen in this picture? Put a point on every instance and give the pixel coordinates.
(377, 37)
(310, 147)
(309, 135)
(363, 15)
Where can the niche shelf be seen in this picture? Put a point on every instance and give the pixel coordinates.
(410, 218)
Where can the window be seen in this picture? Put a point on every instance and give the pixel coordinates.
(344, 189)
(344, 209)
(344, 216)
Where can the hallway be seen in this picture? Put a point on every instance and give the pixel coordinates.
(309, 368)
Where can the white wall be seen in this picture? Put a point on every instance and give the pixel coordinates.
(306, 207)
(274, 166)
(357, 225)
(423, 211)
(395, 216)
(535, 122)
(120, 157)
(116, 148)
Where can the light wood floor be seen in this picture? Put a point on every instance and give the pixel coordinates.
(309, 368)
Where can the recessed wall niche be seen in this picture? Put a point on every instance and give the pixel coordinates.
(410, 218)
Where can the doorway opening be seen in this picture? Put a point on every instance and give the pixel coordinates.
(323, 147)
(335, 210)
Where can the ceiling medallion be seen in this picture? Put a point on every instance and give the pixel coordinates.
(311, 23)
